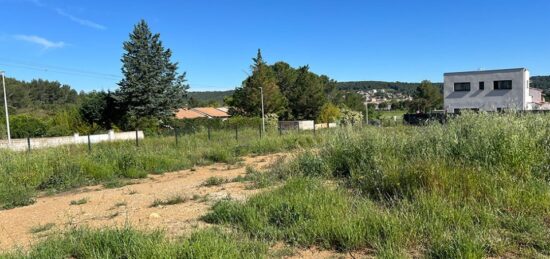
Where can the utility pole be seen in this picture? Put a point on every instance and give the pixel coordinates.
(263, 115)
(6, 107)
(367, 113)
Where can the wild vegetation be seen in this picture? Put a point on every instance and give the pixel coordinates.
(127, 242)
(23, 175)
(475, 187)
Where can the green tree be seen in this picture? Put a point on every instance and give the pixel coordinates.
(351, 100)
(427, 98)
(307, 96)
(246, 100)
(23, 126)
(151, 87)
(100, 108)
(286, 76)
(329, 113)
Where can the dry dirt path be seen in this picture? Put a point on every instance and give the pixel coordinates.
(131, 204)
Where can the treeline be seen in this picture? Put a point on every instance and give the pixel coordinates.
(207, 98)
(292, 94)
(542, 82)
(39, 94)
(403, 87)
(42, 108)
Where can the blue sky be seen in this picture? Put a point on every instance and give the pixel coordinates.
(80, 42)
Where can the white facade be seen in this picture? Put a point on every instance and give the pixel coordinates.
(489, 90)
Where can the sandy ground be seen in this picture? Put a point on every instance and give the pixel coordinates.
(131, 204)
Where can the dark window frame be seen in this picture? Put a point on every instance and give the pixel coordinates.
(502, 85)
(462, 87)
(481, 85)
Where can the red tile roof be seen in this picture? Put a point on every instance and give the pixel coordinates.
(211, 112)
(188, 114)
(201, 112)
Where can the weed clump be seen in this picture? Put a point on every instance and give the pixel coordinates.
(79, 202)
(176, 199)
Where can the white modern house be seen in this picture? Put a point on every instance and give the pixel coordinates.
(490, 90)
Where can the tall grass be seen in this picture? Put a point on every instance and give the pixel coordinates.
(22, 175)
(130, 243)
(475, 187)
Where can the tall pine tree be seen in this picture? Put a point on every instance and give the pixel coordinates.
(152, 87)
(246, 100)
(307, 96)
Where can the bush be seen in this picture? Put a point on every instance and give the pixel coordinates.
(23, 126)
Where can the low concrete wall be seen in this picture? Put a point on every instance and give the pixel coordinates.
(22, 144)
(294, 125)
(325, 125)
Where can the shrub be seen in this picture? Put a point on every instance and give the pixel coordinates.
(23, 126)
(214, 181)
(176, 199)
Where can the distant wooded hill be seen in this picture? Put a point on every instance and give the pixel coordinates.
(541, 82)
(403, 87)
(208, 97)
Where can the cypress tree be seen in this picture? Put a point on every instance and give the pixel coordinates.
(152, 87)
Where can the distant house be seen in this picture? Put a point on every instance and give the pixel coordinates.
(202, 112)
(491, 90)
(537, 99)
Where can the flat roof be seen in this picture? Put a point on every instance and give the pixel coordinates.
(486, 71)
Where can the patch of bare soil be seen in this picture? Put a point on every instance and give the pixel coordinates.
(96, 206)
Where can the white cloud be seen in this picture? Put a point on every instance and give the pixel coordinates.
(46, 44)
(80, 21)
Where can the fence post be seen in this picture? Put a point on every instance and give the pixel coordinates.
(176, 133)
(314, 128)
(137, 139)
(208, 132)
(89, 144)
(236, 133)
(29, 144)
(280, 131)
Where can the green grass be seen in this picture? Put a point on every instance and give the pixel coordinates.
(176, 199)
(214, 181)
(23, 175)
(41, 228)
(79, 202)
(475, 187)
(131, 243)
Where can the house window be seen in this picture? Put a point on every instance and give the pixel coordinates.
(459, 87)
(481, 85)
(502, 85)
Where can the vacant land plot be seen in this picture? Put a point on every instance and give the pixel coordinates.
(475, 187)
